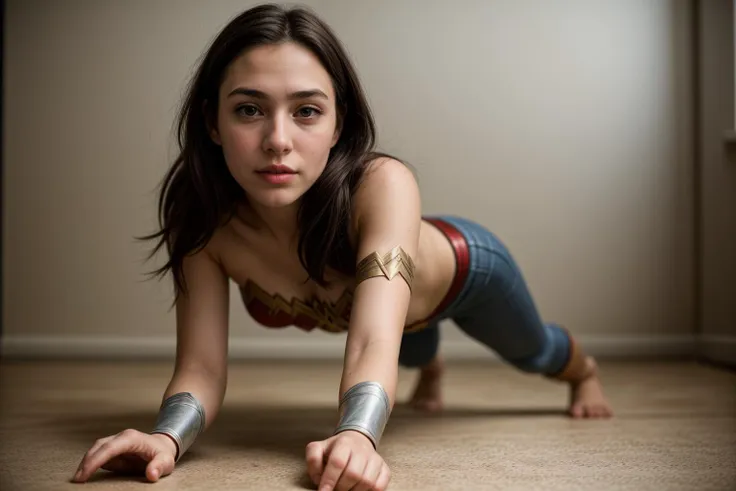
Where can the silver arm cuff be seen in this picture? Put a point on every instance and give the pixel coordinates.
(365, 408)
(182, 418)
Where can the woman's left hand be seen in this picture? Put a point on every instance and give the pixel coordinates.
(346, 462)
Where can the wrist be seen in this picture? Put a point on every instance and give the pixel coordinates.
(182, 419)
(168, 443)
(364, 408)
(358, 437)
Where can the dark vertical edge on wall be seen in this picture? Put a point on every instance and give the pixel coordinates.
(2, 169)
(697, 181)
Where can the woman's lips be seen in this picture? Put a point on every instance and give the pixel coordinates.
(277, 174)
(277, 178)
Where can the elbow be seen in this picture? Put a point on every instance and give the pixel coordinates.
(213, 376)
(216, 370)
(374, 349)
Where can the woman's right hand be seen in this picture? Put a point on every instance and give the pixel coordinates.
(130, 452)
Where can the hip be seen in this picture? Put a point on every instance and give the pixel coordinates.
(483, 266)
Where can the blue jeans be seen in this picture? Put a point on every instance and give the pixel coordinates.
(494, 307)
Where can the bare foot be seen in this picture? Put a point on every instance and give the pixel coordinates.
(586, 396)
(427, 395)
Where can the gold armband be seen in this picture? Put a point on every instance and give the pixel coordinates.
(394, 262)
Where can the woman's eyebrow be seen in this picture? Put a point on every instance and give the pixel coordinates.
(300, 94)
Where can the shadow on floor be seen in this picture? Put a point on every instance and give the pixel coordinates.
(284, 430)
(281, 430)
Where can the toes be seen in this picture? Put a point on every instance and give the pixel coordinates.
(606, 412)
(580, 410)
(427, 405)
(600, 410)
(596, 411)
(577, 411)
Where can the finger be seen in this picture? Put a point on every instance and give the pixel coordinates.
(92, 450)
(315, 454)
(128, 434)
(95, 447)
(98, 444)
(370, 474)
(353, 472)
(107, 451)
(161, 465)
(383, 478)
(336, 463)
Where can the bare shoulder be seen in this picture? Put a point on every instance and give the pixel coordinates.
(384, 171)
(387, 182)
(203, 266)
(386, 208)
(213, 254)
(215, 246)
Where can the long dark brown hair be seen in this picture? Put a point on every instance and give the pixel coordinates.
(198, 193)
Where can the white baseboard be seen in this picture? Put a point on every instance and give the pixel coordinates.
(720, 349)
(331, 348)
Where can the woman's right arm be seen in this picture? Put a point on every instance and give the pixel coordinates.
(202, 335)
(200, 370)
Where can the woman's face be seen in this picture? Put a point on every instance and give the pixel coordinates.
(276, 122)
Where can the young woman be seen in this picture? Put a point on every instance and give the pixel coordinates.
(278, 188)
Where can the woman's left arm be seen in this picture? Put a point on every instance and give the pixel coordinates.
(387, 216)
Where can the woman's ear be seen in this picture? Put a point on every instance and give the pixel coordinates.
(210, 121)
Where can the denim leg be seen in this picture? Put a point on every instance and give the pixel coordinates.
(418, 348)
(500, 311)
(510, 327)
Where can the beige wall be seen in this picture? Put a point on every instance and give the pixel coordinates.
(718, 179)
(564, 126)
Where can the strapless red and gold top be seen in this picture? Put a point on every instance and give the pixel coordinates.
(274, 311)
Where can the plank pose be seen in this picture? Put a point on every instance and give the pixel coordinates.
(278, 187)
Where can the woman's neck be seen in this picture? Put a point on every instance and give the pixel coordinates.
(280, 223)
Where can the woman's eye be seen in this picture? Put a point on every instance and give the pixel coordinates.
(307, 112)
(248, 110)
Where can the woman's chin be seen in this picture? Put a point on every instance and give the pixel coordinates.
(276, 198)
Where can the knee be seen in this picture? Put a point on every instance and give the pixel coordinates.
(550, 357)
(535, 364)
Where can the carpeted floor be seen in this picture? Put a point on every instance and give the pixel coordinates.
(675, 428)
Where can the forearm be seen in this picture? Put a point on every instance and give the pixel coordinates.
(190, 404)
(367, 388)
(374, 362)
(206, 386)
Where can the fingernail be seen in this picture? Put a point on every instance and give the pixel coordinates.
(154, 473)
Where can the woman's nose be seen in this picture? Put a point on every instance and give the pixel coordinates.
(277, 139)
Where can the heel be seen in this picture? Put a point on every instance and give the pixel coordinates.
(576, 368)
